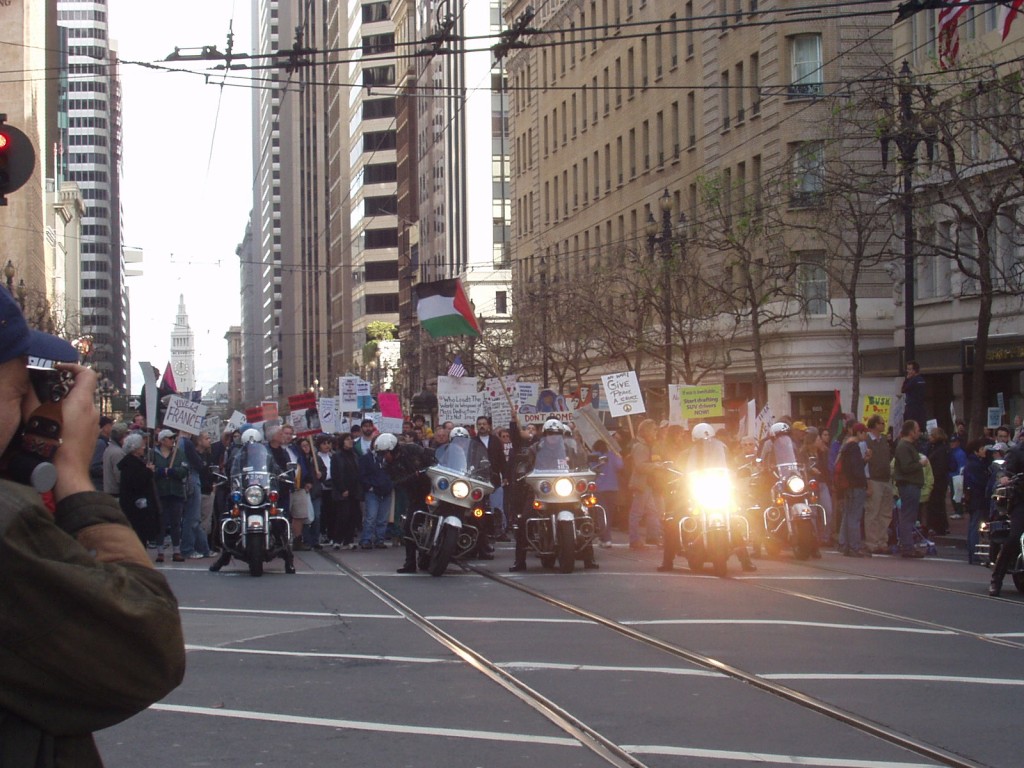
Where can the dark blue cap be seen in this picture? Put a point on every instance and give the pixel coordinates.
(18, 340)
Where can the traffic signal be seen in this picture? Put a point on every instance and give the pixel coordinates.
(17, 159)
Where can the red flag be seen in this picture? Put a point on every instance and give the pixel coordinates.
(168, 380)
(948, 36)
(1007, 13)
(835, 419)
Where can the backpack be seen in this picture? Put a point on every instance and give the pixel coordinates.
(840, 482)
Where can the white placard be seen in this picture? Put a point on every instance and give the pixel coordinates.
(237, 419)
(458, 400)
(328, 409)
(349, 396)
(499, 403)
(995, 417)
(526, 394)
(622, 390)
(391, 424)
(184, 415)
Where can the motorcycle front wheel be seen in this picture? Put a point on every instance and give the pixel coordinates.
(566, 546)
(254, 548)
(805, 543)
(718, 552)
(442, 555)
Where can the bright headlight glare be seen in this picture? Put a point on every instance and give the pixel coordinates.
(711, 490)
(460, 489)
(564, 487)
(253, 495)
(795, 484)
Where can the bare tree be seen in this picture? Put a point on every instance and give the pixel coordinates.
(976, 189)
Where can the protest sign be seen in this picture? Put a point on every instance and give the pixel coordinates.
(499, 397)
(270, 411)
(184, 415)
(875, 405)
(458, 400)
(348, 394)
(328, 409)
(591, 429)
(622, 391)
(701, 402)
(237, 419)
(526, 395)
(391, 412)
(364, 395)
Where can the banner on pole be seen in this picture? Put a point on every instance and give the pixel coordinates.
(622, 391)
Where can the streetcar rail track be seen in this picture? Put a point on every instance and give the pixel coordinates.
(587, 736)
(776, 689)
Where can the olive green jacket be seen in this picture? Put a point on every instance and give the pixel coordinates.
(89, 631)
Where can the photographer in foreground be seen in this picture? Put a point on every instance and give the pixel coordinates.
(89, 631)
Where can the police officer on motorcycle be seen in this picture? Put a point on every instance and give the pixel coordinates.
(1013, 465)
(404, 464)
(708, 452)
(534, 456)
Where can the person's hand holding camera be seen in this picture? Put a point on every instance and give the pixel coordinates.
(79, 433)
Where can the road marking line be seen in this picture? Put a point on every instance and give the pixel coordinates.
(315, 655)
(301, 614)
(389, 728)
(463, 733)
(536, 666)
(791, 623)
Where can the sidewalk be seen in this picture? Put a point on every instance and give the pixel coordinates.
(957, 536)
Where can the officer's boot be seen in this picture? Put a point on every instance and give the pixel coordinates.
(744, 556)
(410, 558)
(224, 559)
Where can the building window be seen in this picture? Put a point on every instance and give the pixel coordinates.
(807, 66)
(501, 302)
(808, 174)
(812, 281)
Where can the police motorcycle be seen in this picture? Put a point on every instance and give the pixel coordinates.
(703, 523)
(255, 529)
(457, 517)
(795, 517)
(561, 502)
(994, 533)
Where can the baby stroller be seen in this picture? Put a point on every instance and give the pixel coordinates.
(921, 541)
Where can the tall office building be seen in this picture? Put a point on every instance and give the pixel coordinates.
(371, 201)
(91, 147)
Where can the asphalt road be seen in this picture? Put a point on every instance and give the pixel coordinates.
(836, 662)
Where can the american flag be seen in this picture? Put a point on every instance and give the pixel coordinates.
(949, 33)
(457, 369)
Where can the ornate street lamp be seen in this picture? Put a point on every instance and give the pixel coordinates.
(664, 237)
(913, 128)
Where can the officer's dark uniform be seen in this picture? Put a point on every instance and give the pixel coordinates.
(405, 470)
(1014, 464)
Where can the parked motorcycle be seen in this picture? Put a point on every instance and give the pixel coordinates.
(994, 533)
(703, 523)
(457, 517)
(795, 517)
(562, 506)
(255, 529)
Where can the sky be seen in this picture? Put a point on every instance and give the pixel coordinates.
(186, 185)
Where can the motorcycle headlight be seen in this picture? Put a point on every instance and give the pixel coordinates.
(253, 495)
(711, 490)
(795, 484)
(564, 487)
(460, 489)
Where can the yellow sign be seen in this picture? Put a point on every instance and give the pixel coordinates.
(876, 405)
(701, 402)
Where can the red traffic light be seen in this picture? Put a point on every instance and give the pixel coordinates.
(17, 159)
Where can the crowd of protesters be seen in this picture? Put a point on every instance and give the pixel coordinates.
(881, 491)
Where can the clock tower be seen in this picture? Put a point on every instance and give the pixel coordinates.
(183, 352)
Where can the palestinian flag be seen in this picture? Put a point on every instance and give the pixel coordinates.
(444, 310)
(835, 421)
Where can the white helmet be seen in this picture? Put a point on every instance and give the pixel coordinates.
(552, 427)
(252, 436)
(779, 428)
(703, 432)
(458, 432)
(385, 442)
(566, 429)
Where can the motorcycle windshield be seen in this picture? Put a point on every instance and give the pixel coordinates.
(707, 455)
(551, 455)
(253, 465)
(784, 452)
(465, 456)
